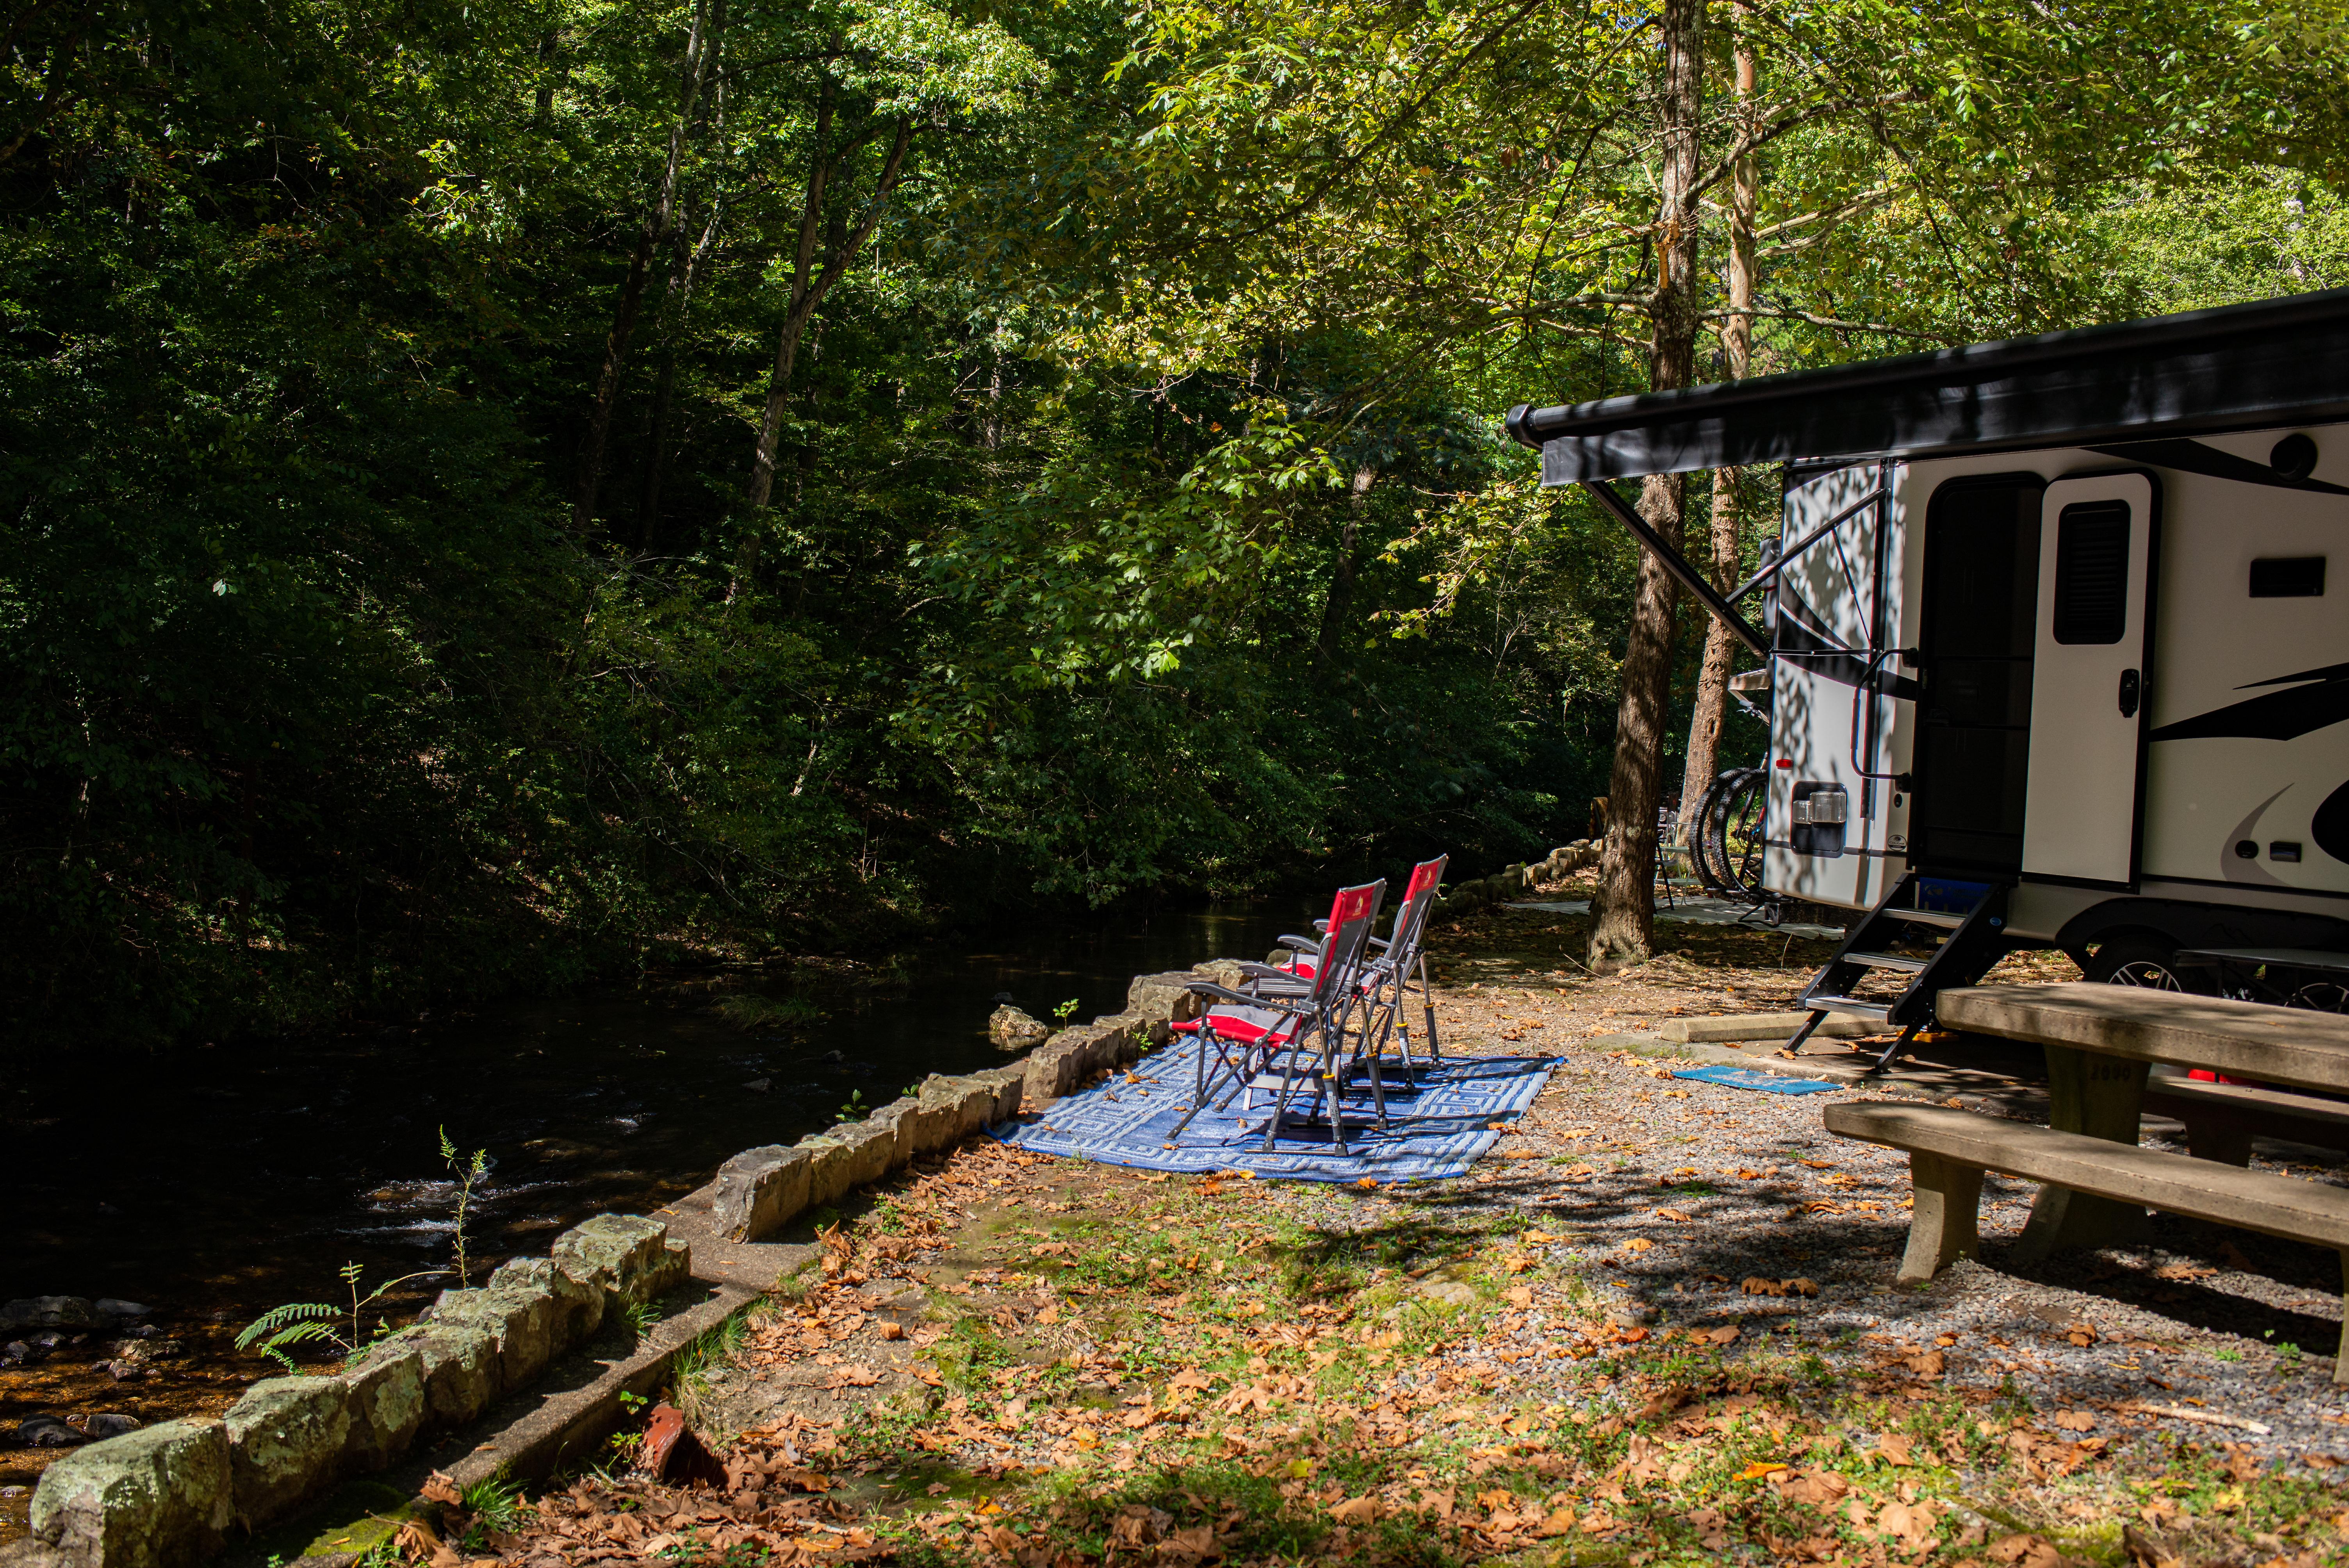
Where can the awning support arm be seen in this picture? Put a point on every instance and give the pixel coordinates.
(1786, 556)
(1673, 562)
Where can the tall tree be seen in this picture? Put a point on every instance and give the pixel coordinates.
(1625, 905)
(703, 41)
(1737, 358)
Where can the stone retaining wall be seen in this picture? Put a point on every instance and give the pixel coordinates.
(168, 1496)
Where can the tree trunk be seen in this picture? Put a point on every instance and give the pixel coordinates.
(1728, 543)
(700, 50)
(1623, 929)
(681, 287)
(807, 294)
(1341, 580)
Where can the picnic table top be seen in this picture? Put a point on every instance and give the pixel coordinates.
(2242, 1040)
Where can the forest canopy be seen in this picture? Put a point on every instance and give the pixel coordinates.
(506, 492)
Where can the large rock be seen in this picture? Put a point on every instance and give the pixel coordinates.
(829, 1160)
(459, 1363)
(872, 1150)
(963, 1105)
(1013, 1030)
(1163, 998)
(640, 1261)
(157, 1498)
(518, 1316)
(1008, 1083)
(922, 1126)
(286, 1442)
(760, 1190)
(386, 1404)
(48, 1312)
(579, 1296)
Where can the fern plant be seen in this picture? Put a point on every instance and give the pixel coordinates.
(275, 1331)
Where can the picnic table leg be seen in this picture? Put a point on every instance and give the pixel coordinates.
(2103, 1098)
(2220, 1136)
(1949, 1197)
(2341, 1361)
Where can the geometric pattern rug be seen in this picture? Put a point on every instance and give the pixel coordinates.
(1436, 1127)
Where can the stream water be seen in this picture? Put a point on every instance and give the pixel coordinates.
(211, 1183)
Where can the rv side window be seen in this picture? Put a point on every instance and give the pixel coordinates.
(2091, 553)
(2288, 577)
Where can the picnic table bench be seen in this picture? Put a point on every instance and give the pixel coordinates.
(2101, 1042)
(1949, 1150)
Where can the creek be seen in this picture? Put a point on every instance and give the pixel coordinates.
(213, 1183)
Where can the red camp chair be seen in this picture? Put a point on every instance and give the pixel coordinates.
(1291, 1036)
(1387, 976)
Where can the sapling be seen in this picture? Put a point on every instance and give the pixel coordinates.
(469, 1176)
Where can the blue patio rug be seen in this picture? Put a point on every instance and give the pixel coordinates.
(1436, 1129)
(1729, 1077)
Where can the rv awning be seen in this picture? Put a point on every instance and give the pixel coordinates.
(2279, 362)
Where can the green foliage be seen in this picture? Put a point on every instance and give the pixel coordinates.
(277, 1331)
(1139, 521)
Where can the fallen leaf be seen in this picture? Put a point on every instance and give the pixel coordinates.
(1676, 1215)
(1895, 1447)
(1818, 1486)
(2025, 1551)
(438, 1488)
(893, 1331)
(1928, 1366)
(2075, 1420)
(1638, 1244)
(1913, 1523)
(1355, 1510)
(1760, 1469)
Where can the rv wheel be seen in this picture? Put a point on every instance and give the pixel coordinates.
(2137, 961)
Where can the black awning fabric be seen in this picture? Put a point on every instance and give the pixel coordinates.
(2278, 362)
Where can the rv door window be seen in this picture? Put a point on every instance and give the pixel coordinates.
(2092, 558)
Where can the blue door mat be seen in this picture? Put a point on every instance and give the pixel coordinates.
(1436, 1129)
(1729, 1077)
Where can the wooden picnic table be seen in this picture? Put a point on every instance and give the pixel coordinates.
(2101, 1040)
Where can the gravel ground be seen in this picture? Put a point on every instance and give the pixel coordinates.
(1679, 1192)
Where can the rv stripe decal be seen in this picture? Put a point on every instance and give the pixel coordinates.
(2194, 458)
(2274, 716)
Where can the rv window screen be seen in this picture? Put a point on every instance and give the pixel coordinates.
(2091, 553)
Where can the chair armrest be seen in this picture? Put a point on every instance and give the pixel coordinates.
(1300, 943)
(1242, 998)
(1269, 972)
(1380, 943)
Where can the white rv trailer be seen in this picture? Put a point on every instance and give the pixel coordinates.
(2055, 652)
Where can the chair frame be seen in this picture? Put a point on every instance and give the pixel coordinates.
(1307, 1050)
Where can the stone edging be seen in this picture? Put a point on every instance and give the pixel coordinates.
(168, 1496)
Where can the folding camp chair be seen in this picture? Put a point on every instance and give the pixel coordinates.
(1290, 1035)
(1386, 979)
(1400, 958)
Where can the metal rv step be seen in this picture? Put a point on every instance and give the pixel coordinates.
(1975, 940)
(1860, 1004)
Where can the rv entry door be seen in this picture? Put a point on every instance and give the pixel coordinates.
(2098, 541)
